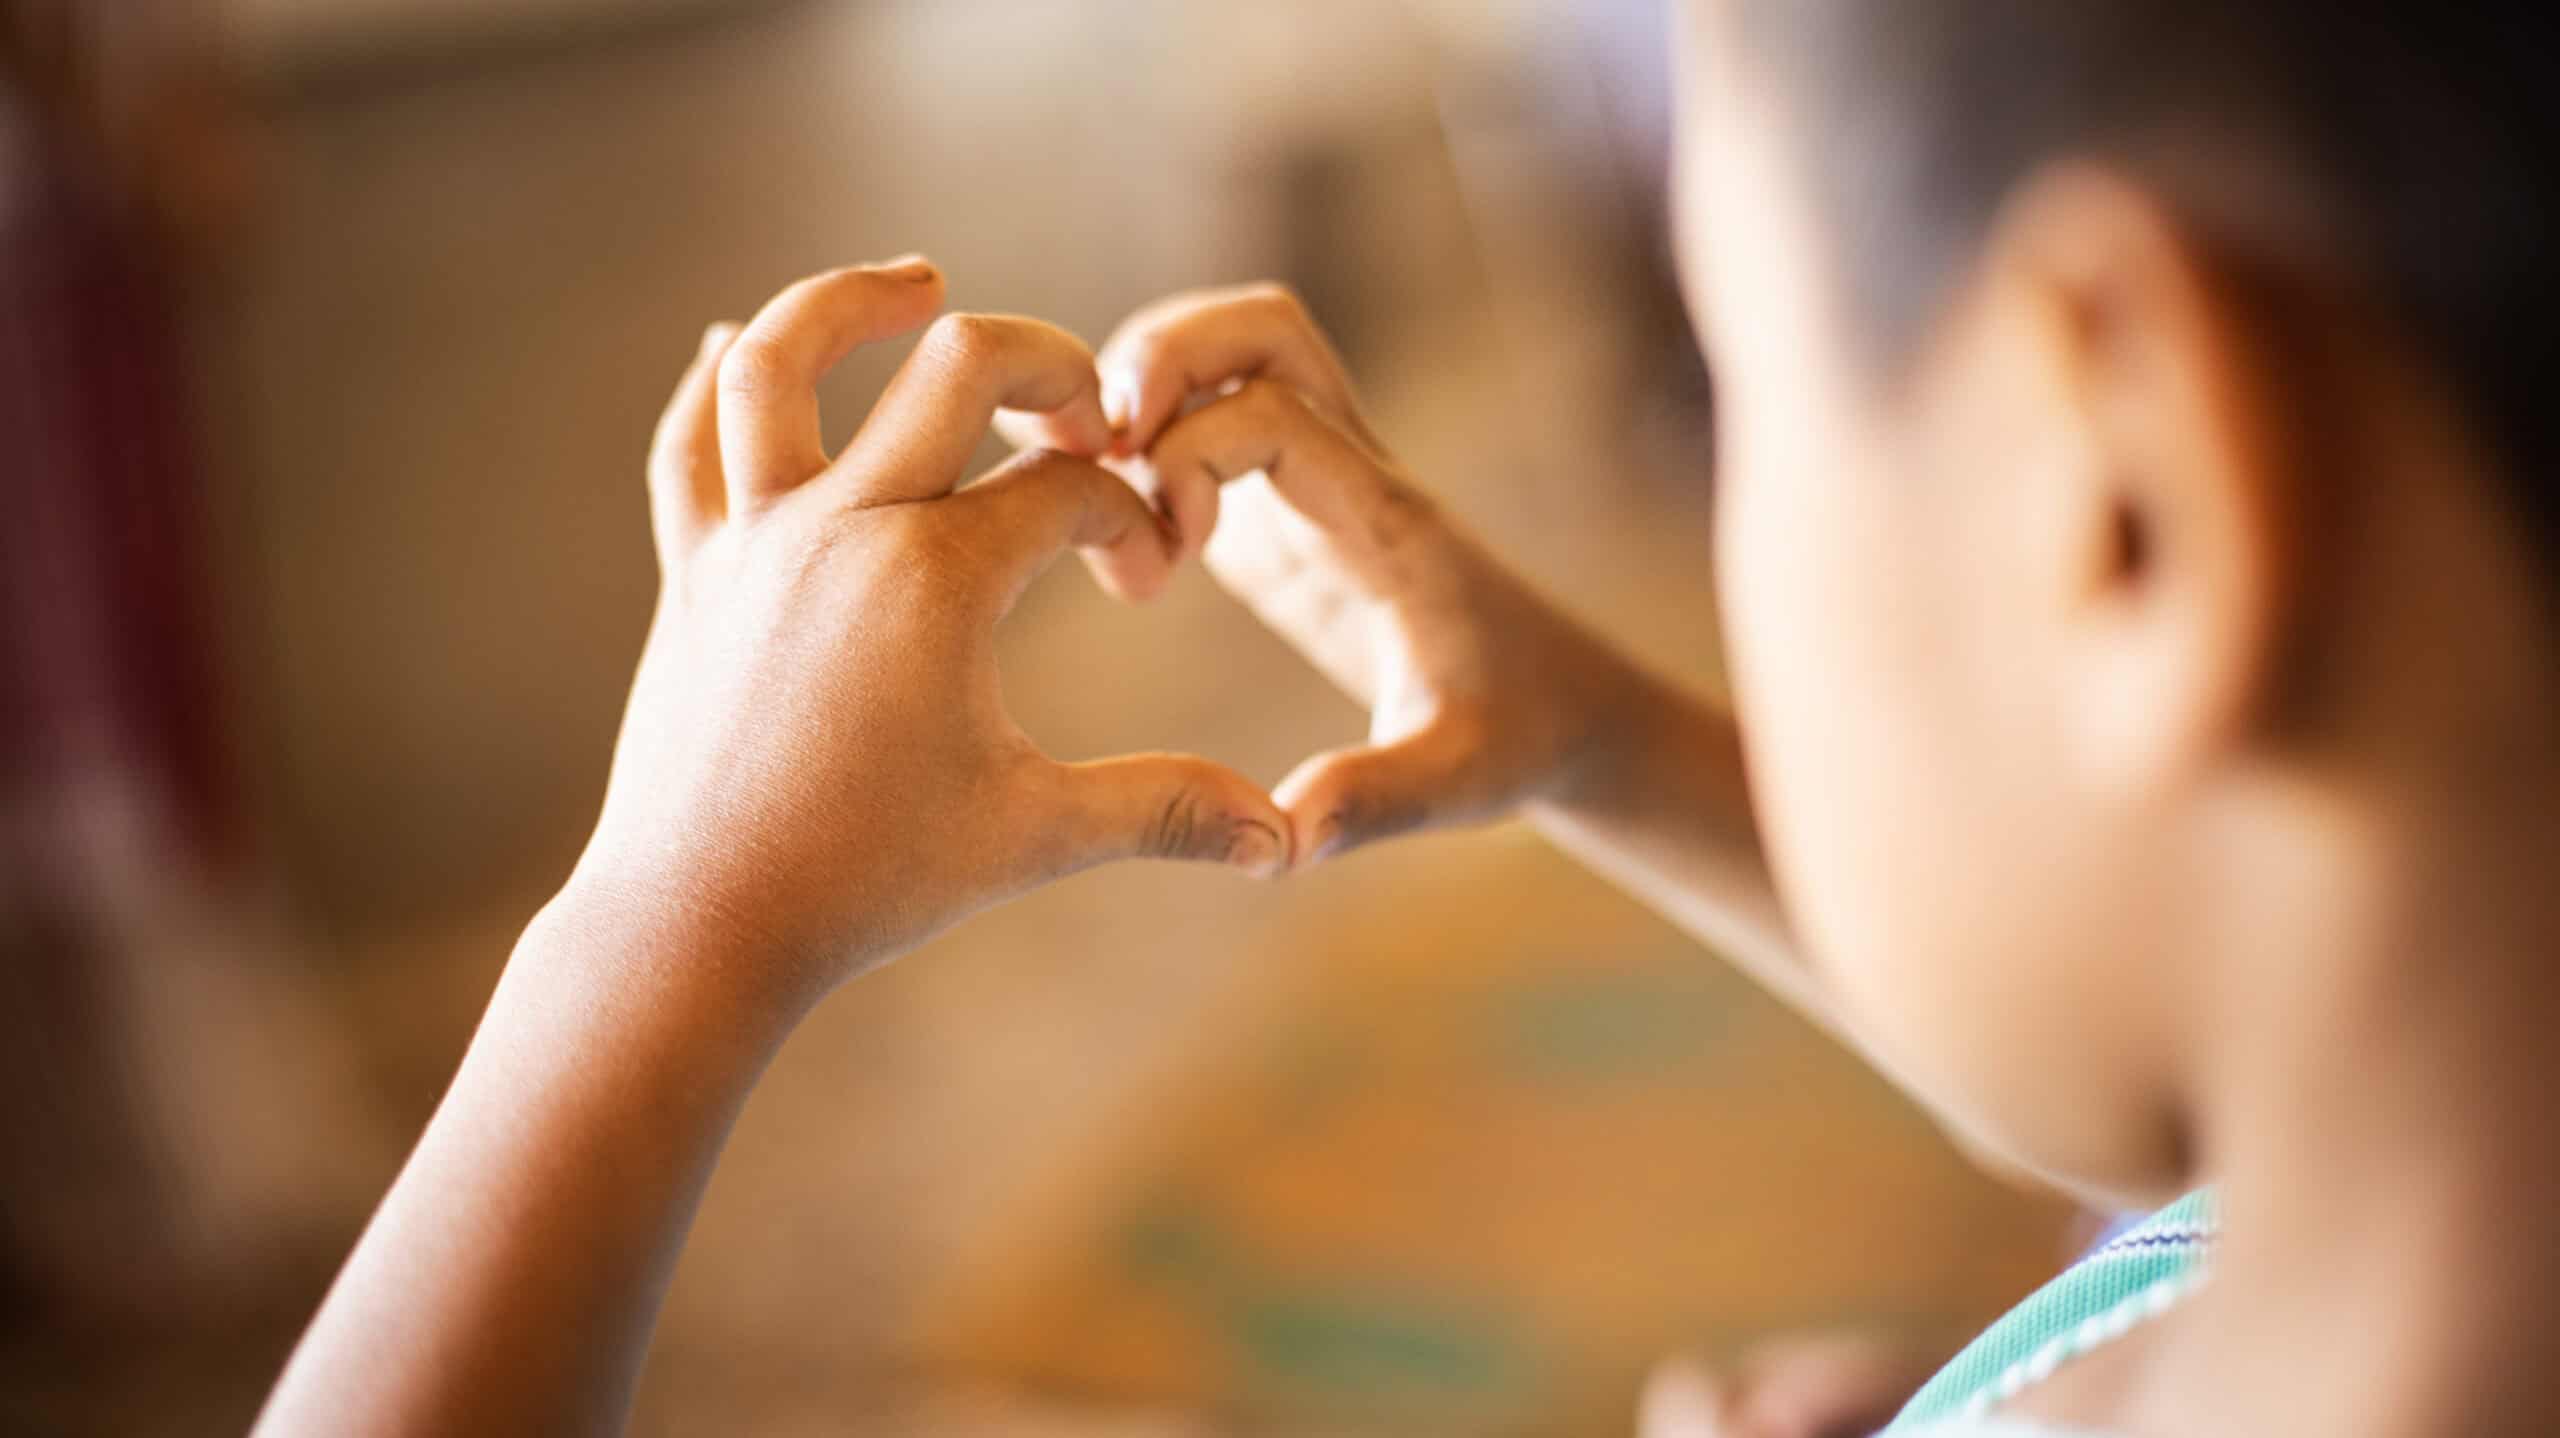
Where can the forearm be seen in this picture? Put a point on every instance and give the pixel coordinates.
(1661, 807)
(510, 1280)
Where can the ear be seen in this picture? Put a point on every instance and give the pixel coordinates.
(2171, 531)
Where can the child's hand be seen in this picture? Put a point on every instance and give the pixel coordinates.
(1481, 695)
(1810, 1386)
(816, 752)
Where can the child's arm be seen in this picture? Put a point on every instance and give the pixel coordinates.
(1484, 698)
(815, 772)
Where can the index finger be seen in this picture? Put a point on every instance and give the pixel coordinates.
(937, 408)
(1201, 341)
(768, 410)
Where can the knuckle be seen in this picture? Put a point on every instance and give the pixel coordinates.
(966, 341)
(757, 365)
(1185, 825)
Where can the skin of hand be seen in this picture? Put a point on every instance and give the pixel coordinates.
(1828, 1386)
(816, 746)
(1231, 410)
(815, 772)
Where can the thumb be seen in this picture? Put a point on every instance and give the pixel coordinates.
(1349, 797)
(1175, 806)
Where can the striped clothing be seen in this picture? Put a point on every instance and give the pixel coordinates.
(2133, 1276)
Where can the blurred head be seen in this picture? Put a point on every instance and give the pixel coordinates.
(2124, 417)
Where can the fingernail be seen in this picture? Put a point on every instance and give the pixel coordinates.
(716, 336)
(909, 267)
(1255, 849)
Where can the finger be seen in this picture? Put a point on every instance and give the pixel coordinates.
(930, 419)
(1172, 806)
(1808, 1387)
(1197, 343)
(1188, 495)
(769, 440)
(1069, 432)
(1041, 503)
(1340, 800)
(685, 498)
(1029, 431)
(1334, 481)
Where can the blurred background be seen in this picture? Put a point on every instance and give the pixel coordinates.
(331, 334)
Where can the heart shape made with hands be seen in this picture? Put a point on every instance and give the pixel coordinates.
(1231, 413)
(818, 707)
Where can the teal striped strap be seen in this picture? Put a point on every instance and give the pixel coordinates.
(2169, 1244)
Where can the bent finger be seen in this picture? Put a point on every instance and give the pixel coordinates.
(1331, 479)
(1200, 342)
(1070, 433)
(768, 411)
(930, 419)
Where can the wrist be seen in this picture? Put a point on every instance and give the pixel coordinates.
(1632, 730)
(695, 974)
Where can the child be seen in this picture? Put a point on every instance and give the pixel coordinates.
(2138, 544)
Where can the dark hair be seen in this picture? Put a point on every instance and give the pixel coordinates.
(2405, 145)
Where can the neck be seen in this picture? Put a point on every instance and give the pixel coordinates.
(2376, 1083)
(2383, 1118)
